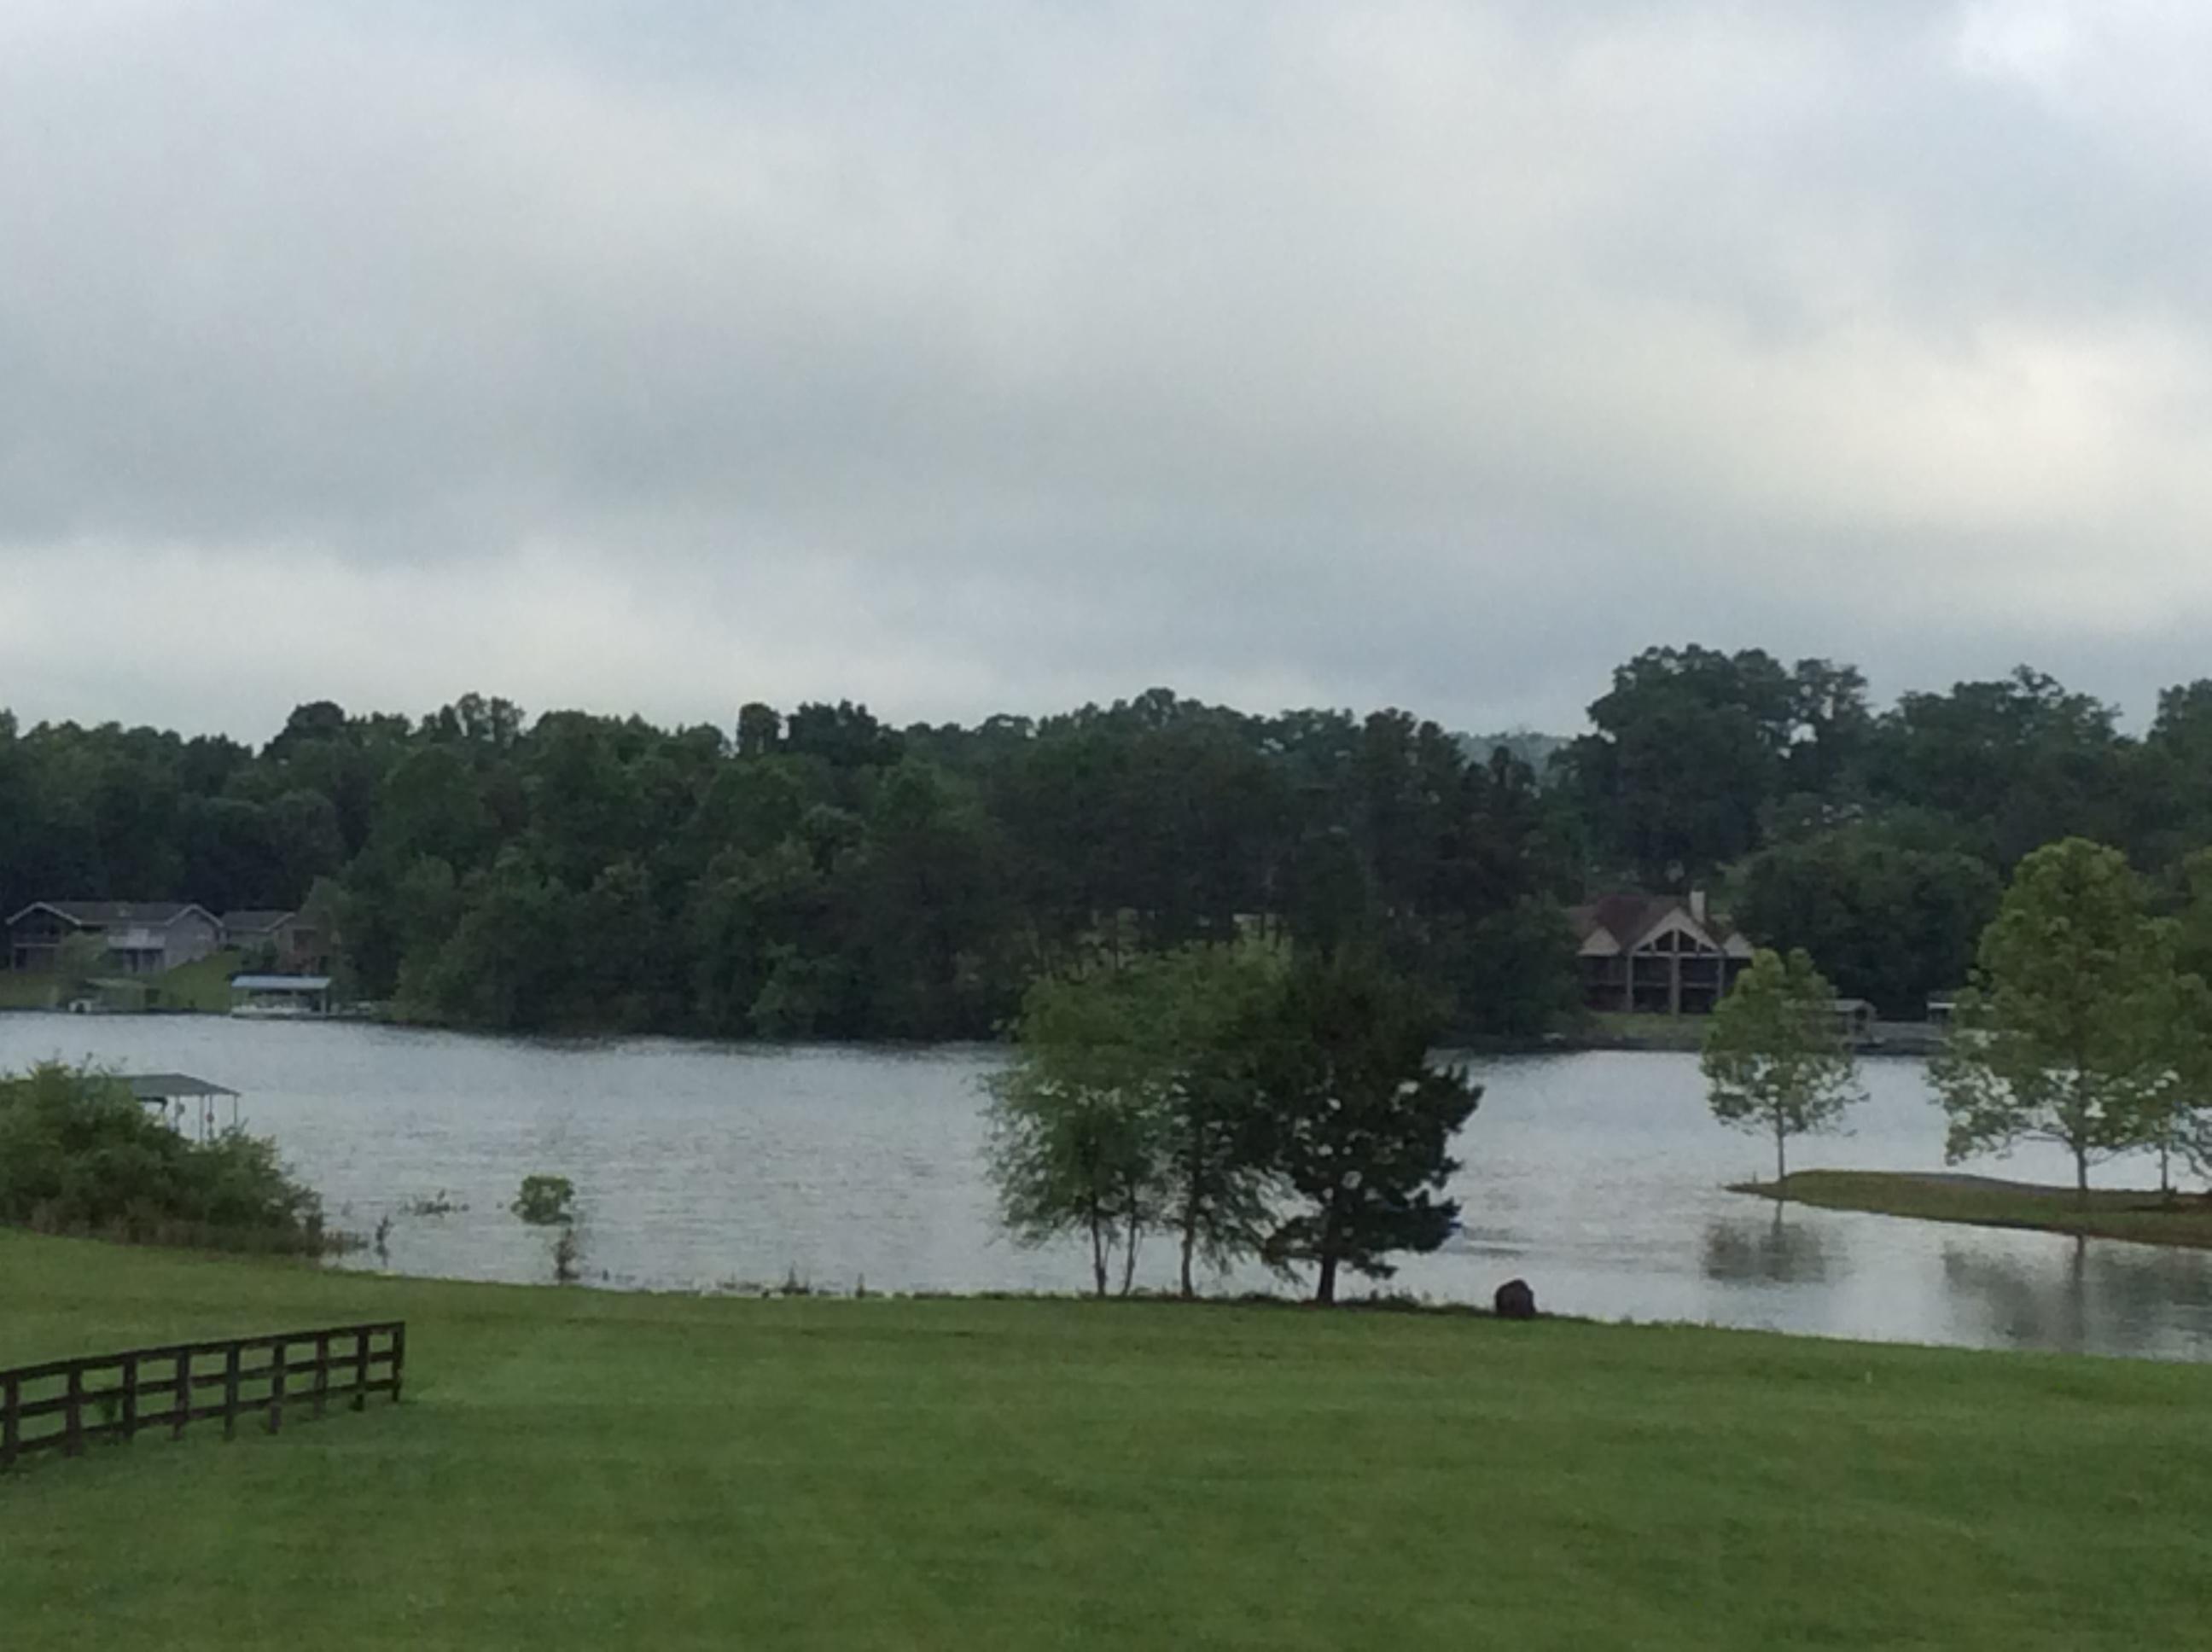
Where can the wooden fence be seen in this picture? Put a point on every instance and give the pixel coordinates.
(65, 1403)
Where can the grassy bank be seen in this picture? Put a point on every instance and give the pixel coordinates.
(2109, 1213)
(581, 1469)
(1618, 1030)
(201, 986)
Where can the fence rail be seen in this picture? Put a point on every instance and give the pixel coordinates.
(65, 1404)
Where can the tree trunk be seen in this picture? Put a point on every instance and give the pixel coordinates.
(2082, 1176)
(1190, 1203)
(1129, 1255)
(1325, 1286)
(1781, 1168)
(1098, 1243)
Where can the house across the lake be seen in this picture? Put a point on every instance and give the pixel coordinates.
(289, 940)
(141, 937)
(1655, 954)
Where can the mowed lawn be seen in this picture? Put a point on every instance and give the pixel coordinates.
(579, 1469)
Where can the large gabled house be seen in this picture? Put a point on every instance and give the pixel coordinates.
(140, 937)
(1655, 954)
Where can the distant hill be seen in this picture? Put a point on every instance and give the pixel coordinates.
(1531, 748)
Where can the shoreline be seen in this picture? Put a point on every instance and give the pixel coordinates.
(2180, 1220)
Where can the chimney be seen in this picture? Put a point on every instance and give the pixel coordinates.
(1698, 905)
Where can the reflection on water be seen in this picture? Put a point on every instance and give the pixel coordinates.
(2087, 1297)
(1779, 1250)
(1600, 1177)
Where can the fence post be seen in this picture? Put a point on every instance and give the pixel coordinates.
(276, 1358)
(183, 1413)
(12, 1421)
(360, 1367)
(129, 1398)
(230, 1392)
(322, 1371)
(73, 1414)
(398, 1358)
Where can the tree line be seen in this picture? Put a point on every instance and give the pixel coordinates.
(820, 873)
(817, 874)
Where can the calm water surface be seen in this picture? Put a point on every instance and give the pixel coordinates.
(1597, 1176)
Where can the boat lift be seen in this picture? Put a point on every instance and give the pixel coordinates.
(178, 1095)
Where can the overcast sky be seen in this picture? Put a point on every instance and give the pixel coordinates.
(963, 358)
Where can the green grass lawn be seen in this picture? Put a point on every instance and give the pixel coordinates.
(1658, 1032)
(2110, 1212)
(26, 989)
(582, 1469)
(203, 985)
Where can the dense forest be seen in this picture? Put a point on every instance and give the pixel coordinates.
(822, 874)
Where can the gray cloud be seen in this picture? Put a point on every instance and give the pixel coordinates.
(987, 356)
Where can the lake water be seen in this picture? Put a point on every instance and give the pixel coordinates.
(1597, 1176)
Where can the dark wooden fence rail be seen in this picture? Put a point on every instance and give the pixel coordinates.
(65, 1403)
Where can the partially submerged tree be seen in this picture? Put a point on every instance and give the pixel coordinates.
(1361, 1122)
(549, 1201)
(2065, 1037)
(1775, 1061)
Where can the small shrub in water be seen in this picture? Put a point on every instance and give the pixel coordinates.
(545, 1201)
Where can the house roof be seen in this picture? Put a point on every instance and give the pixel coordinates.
(103, 914)
(1628, 919)
(255, 921)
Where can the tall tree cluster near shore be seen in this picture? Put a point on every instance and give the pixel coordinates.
(819, 873)
(1241, 1100)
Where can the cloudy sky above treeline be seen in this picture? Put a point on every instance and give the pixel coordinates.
(973, 357)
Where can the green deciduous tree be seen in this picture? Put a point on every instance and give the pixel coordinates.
(80, 960)
(1215, 1154)
(1689, 746)
(1074, 1145)
(1363, 1123)
(1889, 920)
(1132, 1103)
(2062, 1038)
(1775, 1060)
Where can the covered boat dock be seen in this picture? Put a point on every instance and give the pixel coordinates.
(178, 1095)
(280, 995)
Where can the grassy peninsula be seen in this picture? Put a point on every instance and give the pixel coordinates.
(576, 1468)
(2146, 1216)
